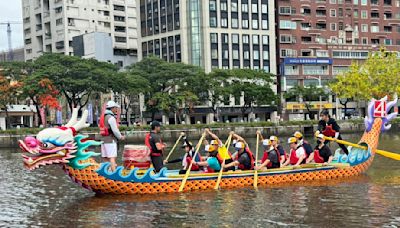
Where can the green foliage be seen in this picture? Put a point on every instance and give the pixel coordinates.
(306, 94)
(377, 77)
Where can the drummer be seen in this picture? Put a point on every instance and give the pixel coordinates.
(187, 158)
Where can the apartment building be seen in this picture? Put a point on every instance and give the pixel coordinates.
(51, 25)
(225, 34)
(320, 39)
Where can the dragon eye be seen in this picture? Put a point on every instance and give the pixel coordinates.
(47, 145)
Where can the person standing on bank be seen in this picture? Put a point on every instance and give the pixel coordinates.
(329, 127)
(156, 146)
(110, 134)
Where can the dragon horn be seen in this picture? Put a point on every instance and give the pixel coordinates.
(74, 118)
(82, 122)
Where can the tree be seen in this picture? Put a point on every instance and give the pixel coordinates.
(170, 84)
(306, 94)
(215, 89)
(254, 85)
(377, 77)
(74, 77)
(9, 90)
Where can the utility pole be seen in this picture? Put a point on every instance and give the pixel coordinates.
(10, 51)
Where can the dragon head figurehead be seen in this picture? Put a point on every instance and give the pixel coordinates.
(55, 145)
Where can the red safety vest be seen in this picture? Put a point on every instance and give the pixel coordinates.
(147, 142)
(329, 131)
(251, 156)
(317, 157)
(293, 157)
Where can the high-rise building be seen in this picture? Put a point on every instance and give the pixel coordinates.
(212, 34)
(50, 25)
(320, 39)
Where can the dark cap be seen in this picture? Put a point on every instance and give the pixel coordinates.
(155, 123)
(189, 144)
(324, 112)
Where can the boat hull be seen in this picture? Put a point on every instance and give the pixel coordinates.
(90, 179)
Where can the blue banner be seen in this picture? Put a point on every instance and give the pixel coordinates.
(59, 117)
(90, 110)
(308, 61)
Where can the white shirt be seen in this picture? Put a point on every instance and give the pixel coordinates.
(300, 152)
(113, 125)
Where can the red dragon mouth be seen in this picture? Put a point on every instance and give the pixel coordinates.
(38, 156)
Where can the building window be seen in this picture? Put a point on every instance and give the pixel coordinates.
(225, 39)
(291, 70)
(224, 22)
(285, 38)
(234, 6)
(284, 24)
(214, 38)
(315, 70)
(256, 54)
(339, 69)
(364, 14)
(265, 24)
(235, 54)
(255, 40)
(245, 39)
(213, 5)
(350, 54)
(364, 2)
(235, 38)
(265, 40)
(285, 10)
(333, 26)
(214, 53)
(120, 39)
(364, 27)
(355, 13)
(364, 40)
(213, 22)
(340, 26)
(265, 55)
(264, 8)
(254, 8)
(245, 7)
(246, 55)
(374, 28)
(333, 13)
(224, 6)
(340, 12)
(254, 24)
(245, 24)
(388, 42)
(355, 2)
(235, 23)
(322, 53)
(288, 53)
(332, 1)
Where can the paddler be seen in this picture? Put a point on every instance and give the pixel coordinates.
(217, 145)
(110, 134)
(297, 153)
(274, 141)
(187, 158)
(322, 153)
(271, 156)
(329, 127)
(302, 142)
(156, 146)
(244, 158)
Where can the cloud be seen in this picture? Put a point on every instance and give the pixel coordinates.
(11, 11)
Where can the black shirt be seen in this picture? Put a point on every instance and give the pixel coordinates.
(155, 138)
(281, 150)
(273, 157)
(325, 152)
(322, 125)
(245, 160)
(307, 148)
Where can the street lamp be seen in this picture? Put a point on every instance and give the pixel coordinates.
(320, 86)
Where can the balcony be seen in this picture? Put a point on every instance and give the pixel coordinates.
(39, 27)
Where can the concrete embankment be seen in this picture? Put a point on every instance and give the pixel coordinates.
(137, 137)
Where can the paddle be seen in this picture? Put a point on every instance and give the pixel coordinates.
(176, 143)
(255, 182)
(381, 152)
(191, 163)
(223, 153)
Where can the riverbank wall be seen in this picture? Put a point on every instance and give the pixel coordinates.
(137, 137)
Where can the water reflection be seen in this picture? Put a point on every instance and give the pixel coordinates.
(46, 197)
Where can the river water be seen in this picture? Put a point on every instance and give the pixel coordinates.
(46, 197)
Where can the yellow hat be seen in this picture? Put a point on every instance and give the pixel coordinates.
(214, 142)
(239, 145)
(298, 134)
(273, 138)
(209, 148)
(292, 140)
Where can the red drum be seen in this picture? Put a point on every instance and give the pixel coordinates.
(136, 156)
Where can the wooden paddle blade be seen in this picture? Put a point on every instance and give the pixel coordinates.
(223, 152)
(389, 154)
(255, 182)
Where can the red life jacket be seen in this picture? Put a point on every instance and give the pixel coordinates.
(269, 165)
(194, 167)
(104, 131)
(251, 156)
(147, 142)
(329, 131)
(317, 157)
(293, 158)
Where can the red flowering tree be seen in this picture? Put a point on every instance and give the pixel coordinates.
(9, 90)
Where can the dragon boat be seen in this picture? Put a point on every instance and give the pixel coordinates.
(73, 152)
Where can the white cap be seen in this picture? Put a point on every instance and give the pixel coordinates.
(234, 142)
(239, 145)
(266, 142)
(112, 104)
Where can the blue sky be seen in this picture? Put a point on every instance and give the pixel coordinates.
(10, 10)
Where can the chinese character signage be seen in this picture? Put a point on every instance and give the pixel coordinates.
(308, 61)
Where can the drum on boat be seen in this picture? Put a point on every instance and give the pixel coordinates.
(136, 156)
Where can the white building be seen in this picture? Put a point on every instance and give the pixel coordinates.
(211, 34)
(50, 25)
